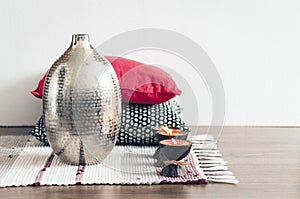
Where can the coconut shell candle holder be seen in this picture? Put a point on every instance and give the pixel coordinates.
(172, 149)
(165, 132)
(172, 152)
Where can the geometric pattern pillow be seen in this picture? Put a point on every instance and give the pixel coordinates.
(39, 131)
(138, 122)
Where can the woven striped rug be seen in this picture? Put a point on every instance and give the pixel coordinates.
(25, 161)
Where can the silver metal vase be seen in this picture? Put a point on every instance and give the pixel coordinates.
(82, 104)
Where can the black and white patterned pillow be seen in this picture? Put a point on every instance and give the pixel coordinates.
(138, 122)
(39, 131)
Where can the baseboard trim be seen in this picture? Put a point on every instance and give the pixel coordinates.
(12, 130)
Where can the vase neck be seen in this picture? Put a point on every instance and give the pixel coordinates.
(80, 39)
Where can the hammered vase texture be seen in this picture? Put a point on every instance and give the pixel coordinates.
(82, 104)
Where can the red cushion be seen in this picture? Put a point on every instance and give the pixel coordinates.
(140, 83)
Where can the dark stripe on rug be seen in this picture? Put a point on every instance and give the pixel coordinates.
(79, 174)
(41, 172)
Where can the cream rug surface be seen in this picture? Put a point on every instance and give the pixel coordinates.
(25, 161)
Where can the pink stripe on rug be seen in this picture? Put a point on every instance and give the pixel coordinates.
(79, 174)
(41, 172)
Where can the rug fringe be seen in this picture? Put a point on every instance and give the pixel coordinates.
(209, 161)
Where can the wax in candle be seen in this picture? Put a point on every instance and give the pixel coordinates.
(169, 132)
(175, 142)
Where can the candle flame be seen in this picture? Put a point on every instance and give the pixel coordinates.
(167, 130)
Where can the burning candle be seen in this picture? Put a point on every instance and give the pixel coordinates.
(165, 132)
(173, 149)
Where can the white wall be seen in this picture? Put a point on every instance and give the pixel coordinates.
(255, 46)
